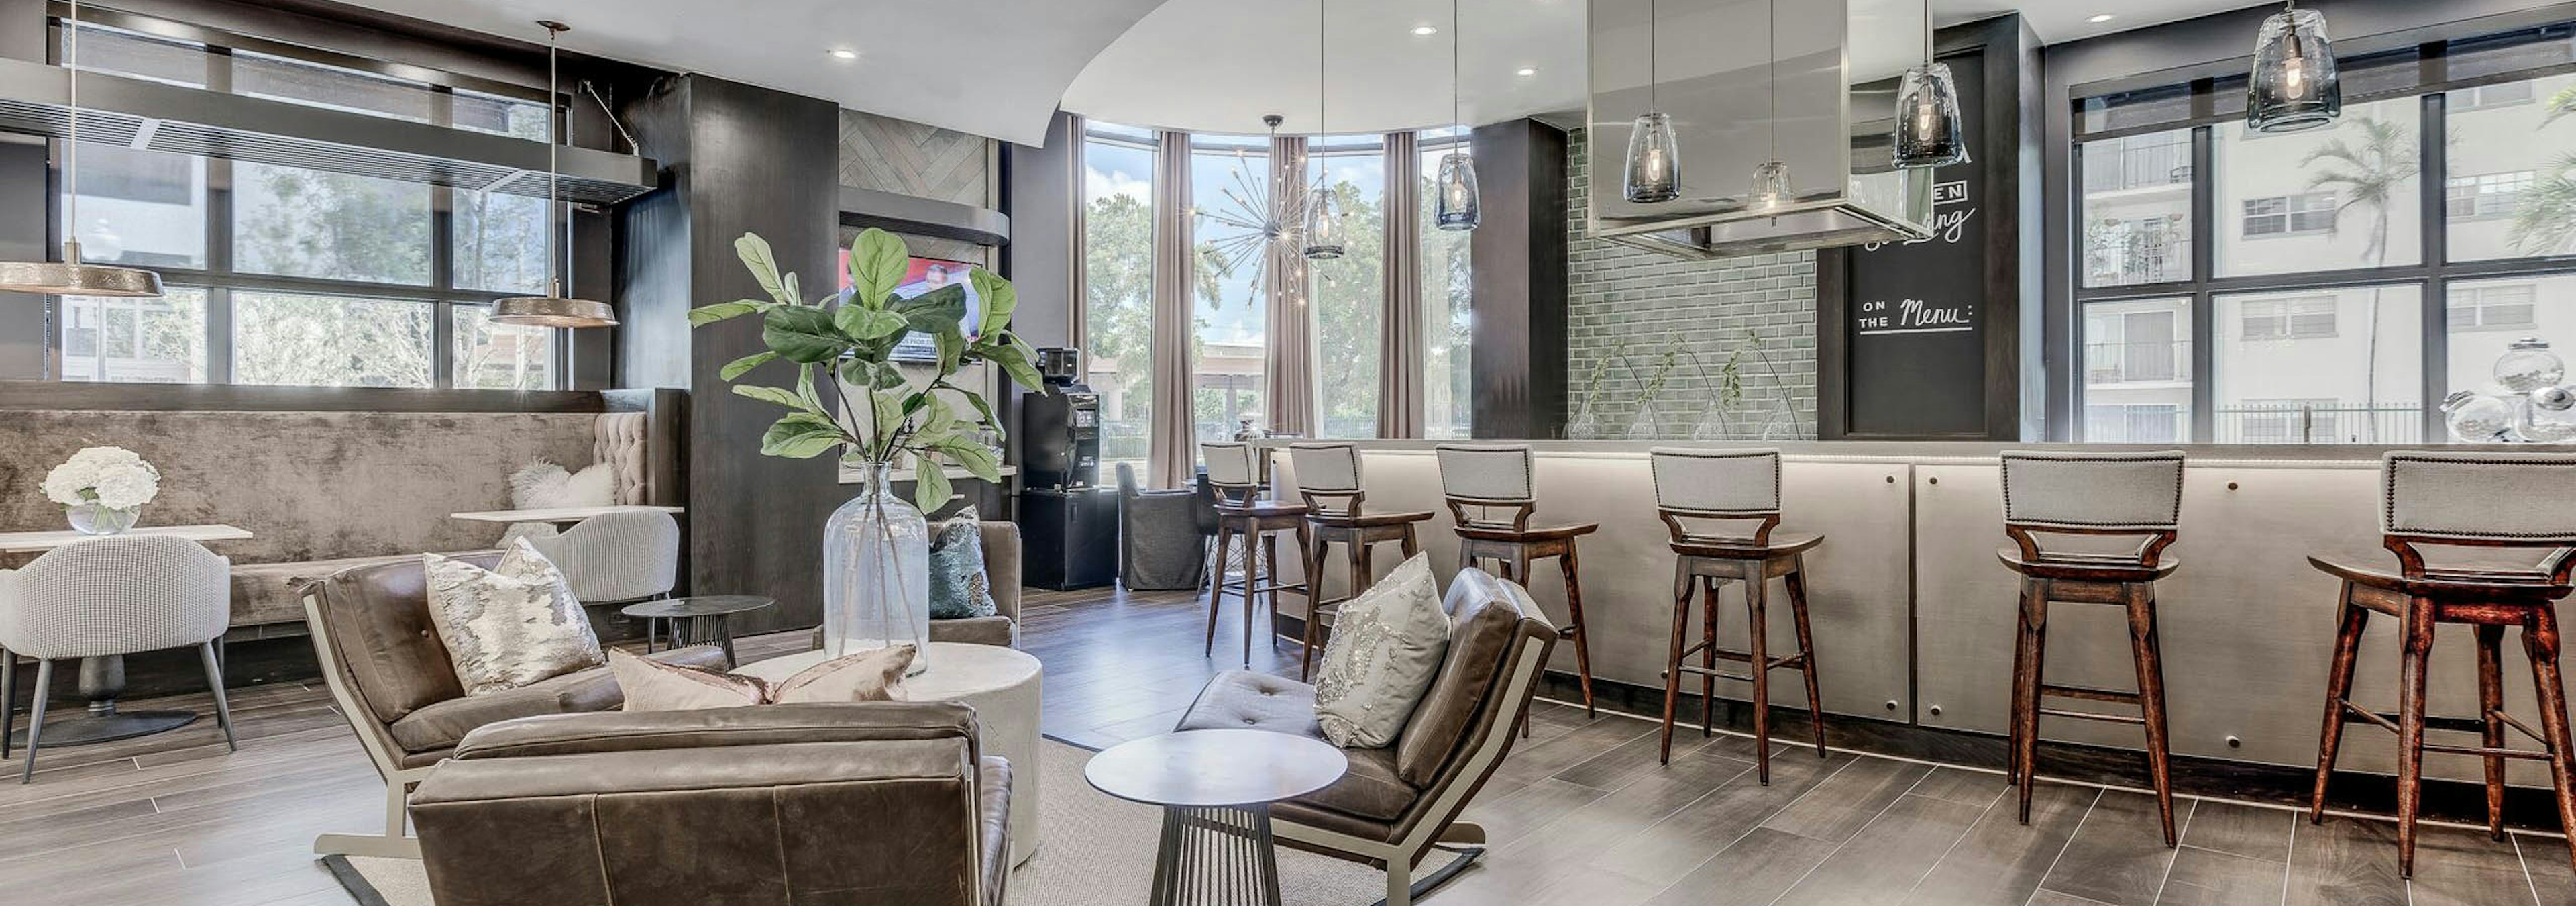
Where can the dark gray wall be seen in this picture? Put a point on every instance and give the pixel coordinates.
(24, 180)
(1519, 259)
(1040, 190)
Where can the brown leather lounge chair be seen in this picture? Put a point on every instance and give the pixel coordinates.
(862, 802)
(1397, 802)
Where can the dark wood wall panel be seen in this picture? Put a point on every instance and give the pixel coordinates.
(1518, 257)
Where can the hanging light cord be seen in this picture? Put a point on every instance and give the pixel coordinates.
(1927, 36)
(71, 142)
(1654, 103)
(1453, 66)
(554, 174)
(1771, 74)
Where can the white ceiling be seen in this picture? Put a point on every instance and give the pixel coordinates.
(1001, 67)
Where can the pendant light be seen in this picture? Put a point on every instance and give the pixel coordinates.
(2294, 85)
(552, 309)
(1928, 133)
(1771, 186)
(1654, 173)
(1454, 202)
(70, 277)
(1323, 210)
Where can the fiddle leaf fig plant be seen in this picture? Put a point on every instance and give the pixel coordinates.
(848, 337)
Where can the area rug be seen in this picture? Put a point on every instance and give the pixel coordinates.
(1094, 851)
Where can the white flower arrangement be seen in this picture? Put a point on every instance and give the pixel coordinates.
(112, 477)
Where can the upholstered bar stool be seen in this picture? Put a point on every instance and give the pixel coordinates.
(2124, 495)
(1235, 472)
(1480, 480)
(1696, 493)
(2501, 500)
(1328, 477)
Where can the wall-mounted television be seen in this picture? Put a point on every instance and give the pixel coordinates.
(922, 275)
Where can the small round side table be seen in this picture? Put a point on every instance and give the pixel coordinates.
(1216, 787)
(698, 620)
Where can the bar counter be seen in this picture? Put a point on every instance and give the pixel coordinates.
(1914, 617)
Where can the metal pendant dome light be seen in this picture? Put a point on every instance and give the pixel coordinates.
(70, 277)
(553, 309)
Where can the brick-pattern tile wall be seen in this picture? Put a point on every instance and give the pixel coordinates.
(1628, 307)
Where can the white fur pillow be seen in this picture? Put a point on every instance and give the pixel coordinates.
(542, 485)
(1386, 648)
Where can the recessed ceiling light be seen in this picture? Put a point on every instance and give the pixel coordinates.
(1525, 71)
(844, 53)
(2099, 19)
(1425, 30)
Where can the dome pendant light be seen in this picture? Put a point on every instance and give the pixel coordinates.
(552, 309)
(2294, 85)
(1323, 210)
(1771, 187)
(70, 277)
(1454, 201)
(1928, 133)
(1654, 173)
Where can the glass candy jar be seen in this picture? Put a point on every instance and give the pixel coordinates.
(2548, 416)
(2529, 365)
(2475, 418)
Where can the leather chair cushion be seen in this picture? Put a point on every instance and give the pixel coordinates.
(439, 725)
(378, 617)
(1242, 700)
(993, 785)
(1481, 635)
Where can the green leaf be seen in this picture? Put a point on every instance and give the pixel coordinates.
(887, 412)
(735, 368)
(778, 395)
(877, 264)
(800, 435)
(935, 312)
(803, 335)
(867, 323)
(929, 485)
(971, 454)
(952, 349)
(1014, 359)
(999, 298)
(704, 315)
(937, 417)
(984, 408)
(789, 288)
(756, 257)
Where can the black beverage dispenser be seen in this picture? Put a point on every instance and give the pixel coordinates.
(1068, 523)
(1060, 429)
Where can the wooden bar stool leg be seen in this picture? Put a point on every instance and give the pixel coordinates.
(1797, 581)
(1756, 602)
(2540, 642)
(2491, 721)
(1216, 588)
(1412, 545)
(2020, 679)
(2354, 620)
(1582, 635)
(2149, 659)
(1682, 585)
(2034, 604)
(1709, 587)
(2418, 648)
(1314, 612)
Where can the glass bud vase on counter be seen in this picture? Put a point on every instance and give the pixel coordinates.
(876, 573)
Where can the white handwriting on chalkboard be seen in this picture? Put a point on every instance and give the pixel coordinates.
(1913, 316)
(1947, 226)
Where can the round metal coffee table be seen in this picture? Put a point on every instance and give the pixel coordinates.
(697, 620)
(1215, 788)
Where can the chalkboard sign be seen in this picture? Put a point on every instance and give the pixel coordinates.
(1917, 313)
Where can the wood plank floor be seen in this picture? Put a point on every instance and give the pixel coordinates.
(1579, 813)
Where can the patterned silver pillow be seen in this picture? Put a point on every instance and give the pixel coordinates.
(1386, 648)
(510, 626)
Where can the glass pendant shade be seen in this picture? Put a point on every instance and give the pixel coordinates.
(553, 310)
(1654, 172)
(1770, 188)
(1454, 205)
(1324, 226)
(1928, 130)
(2294, 85)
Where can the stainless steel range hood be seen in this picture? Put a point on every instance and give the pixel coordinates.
(1837, 68)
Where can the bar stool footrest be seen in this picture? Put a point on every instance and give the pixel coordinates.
(2091, 693)
(2482, 751)
(1786, 660)
(2088, 715)
(2388, 721)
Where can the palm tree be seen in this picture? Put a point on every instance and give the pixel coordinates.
(2366, 176)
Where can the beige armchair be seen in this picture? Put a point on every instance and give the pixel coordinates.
(866, 802)
(397, 686)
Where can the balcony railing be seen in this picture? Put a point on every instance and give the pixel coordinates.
(2127, 363)
(2136, 166)
(2393, 423)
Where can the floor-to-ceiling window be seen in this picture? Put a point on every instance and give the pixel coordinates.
(1350, 291)
(1230, 184)
(1447, 287)
(2331, 285)
(1118, 285)
(283, 275)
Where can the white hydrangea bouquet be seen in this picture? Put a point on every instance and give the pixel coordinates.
(103, 489)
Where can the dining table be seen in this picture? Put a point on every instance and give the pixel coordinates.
(102, 678)
(561, 515)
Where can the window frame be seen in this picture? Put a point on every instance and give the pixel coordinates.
(220, 278)
(2209, 102)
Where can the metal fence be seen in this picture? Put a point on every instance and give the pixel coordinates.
(2123, 363)
(2392, 423)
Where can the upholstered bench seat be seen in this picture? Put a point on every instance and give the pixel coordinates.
(429, 731)
(1242, 700)
(265, 594)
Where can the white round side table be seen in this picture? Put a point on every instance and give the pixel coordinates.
(1001, 684)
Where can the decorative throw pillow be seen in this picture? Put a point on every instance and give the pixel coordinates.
(651, 685)
(509, 626)
(958, 587)
(1385, 650)
(542, 485)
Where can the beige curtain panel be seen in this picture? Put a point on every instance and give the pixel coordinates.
(1078, 320)
(1172, 454)
(1400, 342)
(1288, 375)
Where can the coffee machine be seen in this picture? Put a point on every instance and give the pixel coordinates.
(1068, 523)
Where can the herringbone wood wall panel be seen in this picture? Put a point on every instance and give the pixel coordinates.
(891, 155)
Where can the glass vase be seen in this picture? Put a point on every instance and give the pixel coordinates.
(97, 519)
(876, 573)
